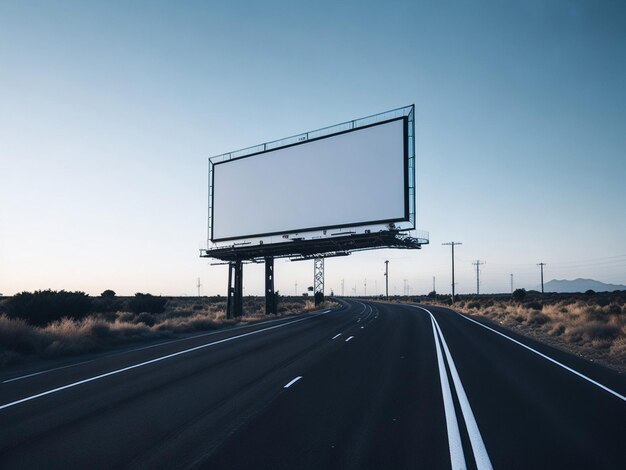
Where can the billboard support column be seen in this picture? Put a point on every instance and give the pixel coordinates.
(229, 295)
(318, 280)
(234, 302)
(238, 291)
(270, 296)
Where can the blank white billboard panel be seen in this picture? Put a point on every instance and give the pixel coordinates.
(359, 177)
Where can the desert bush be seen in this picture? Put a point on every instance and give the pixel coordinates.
(614, 309)
(519, 294)
(146, 318)
(147, 303)
(106, 304)
(534, 305)
(108, 293)
(18, 336)
(98, 331)
(537, 318)
(125, 317)
(602, 301)
(42, 307)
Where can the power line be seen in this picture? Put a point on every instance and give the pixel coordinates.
(452, 244)
(541, 265)
(387, 279)
(478, 263)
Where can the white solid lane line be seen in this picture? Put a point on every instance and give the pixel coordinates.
(554, 361)
(336, 336)
(152, 361)
(349, 338)
(292, 382)
(478, 446)
(457, 457)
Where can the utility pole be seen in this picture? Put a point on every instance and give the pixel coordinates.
(541, 265)
(365, 288)
(434, 290)
(511, 283)
(199, 286)
(342, 288)
(296, 288)
(478, 264)
(452, 244)
(387, 279)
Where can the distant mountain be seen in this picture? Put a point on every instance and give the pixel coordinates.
(579, 285)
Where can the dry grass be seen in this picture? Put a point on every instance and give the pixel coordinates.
(592, 326)
(20, 341)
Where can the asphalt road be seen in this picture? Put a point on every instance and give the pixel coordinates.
(370, 385)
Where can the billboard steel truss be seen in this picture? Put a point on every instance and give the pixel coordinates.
(311, 210)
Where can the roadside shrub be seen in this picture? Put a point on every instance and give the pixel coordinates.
(108, 293)
(147, 303)
(614, 309)
(18, 336)
(125, 317)
(519, 294)
(537, 318)
(39, 308)
(106, 304)
(534, 305)
(603, 301)
(146, 318)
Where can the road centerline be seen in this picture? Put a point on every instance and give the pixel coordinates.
(293, 381)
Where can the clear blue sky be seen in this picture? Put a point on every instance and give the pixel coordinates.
(109, 110)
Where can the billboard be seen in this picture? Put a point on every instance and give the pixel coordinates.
(358, 176)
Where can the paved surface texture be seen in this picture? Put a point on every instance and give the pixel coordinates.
(368, 385)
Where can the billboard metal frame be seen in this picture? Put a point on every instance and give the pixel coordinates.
(374, 234)
(406, 114)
